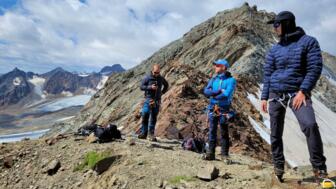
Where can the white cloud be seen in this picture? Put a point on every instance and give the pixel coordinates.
(41, 34)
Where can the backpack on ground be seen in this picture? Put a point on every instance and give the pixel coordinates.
(103, 134)
(194, 144)
(108, 133)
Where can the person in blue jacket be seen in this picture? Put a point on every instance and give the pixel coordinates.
(292, 68)
(220, 89)
(154, 86)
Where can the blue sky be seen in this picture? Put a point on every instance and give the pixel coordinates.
(7, 3)
(85, 35)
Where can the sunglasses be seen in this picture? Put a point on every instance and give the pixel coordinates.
(156, 73)
(276, 24)
(219, 65)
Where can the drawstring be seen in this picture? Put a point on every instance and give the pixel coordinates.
(283, 98)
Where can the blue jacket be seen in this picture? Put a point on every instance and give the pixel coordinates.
(294, 64)
(220, 90)
(146, 85)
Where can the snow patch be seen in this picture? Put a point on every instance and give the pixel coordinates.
(83, 75)
(265, 134)
(66, 102)
(38, 83)
(65, 118)
(17, 81)
(66, 93)
(332, 81)
(89, 91)
(102, 82)
(105, 73)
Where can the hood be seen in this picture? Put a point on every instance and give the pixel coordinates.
(292, 37)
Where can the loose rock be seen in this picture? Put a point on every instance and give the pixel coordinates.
(53, 167)
(208, 173)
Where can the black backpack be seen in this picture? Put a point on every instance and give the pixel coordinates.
(87, 130)
(104, 134)
(194, 144)
(108, 133)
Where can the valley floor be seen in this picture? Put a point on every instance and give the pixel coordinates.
(40, 115)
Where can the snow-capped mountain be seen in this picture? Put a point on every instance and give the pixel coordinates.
(18, 85)
(14, 86)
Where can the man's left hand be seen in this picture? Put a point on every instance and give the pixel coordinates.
(299, 99)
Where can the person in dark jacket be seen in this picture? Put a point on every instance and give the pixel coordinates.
(220, 89)
(292, 68)
(154, 86)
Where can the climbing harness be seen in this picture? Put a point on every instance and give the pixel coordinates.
(282, 99)
(217, 112)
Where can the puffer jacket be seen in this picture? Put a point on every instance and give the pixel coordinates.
(294, 64)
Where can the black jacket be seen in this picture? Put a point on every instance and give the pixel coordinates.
(148, 81)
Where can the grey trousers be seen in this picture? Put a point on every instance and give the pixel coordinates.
(306, 117)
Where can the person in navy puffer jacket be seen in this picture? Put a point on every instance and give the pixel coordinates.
(292, 68)
(220, 89)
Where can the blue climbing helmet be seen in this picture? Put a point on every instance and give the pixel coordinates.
(222, 62)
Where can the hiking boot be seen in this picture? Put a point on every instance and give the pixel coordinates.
(279, 174)
(142, 136)
(280, 178)
(320, 175)
(152, 138)
(208, 156)
(226, 159)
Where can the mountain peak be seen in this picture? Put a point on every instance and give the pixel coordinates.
(54, 71)
(16, 72)
(59, 69)
(115, 68)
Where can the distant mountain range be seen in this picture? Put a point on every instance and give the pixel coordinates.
(17, 85)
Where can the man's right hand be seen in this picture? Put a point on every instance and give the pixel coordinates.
(264, 106)
(154, 87)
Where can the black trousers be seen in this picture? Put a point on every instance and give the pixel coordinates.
(224, 133)
(306, 117)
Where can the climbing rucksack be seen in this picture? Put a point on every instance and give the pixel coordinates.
(108, 133)
(194, 144)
